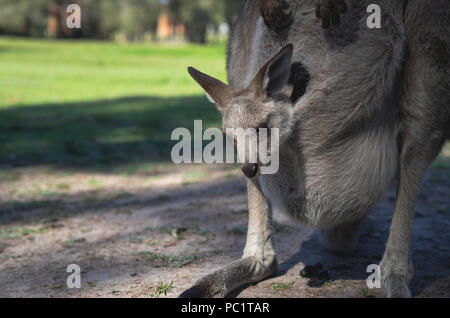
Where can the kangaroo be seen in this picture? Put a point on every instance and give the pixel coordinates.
(374, 109)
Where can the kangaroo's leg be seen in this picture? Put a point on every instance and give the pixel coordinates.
(396, 266)
(423, 122)
(258, 261)
(343, 238)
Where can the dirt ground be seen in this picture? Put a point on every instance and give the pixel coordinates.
(130, 233)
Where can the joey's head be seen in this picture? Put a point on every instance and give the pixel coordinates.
(260, 106)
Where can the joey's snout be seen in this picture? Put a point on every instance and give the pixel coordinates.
(250, 169)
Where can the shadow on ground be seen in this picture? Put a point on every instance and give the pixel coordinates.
(98, 134)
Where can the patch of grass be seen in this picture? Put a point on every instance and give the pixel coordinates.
(195, 228)
(183, 260)
(443, 161)
(63, 186)
(152, 179)
(3, 247)
(72, 241)
(153, 256)
(444, 210)
(365, 291)
(94, 183)
(161, 288)
(169, 259)
(239, 230)
(173, 231)
(178, 233)
(278, 227)
(135, 239)
(38, 192)
(21, 231)
(153, 243)
(9, 175)
(333, 283)
(142, 168)
(193, 177)
(4, 257)
(84, 229)
(283, 286)
(163, 228)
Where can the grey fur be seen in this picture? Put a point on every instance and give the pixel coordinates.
(376, 109)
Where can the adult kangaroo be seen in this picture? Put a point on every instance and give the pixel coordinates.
(359, 108)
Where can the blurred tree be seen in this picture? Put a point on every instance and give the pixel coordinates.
(104, 18)
(22, 17)
(109, 23)
(139, 17)
(196, 16)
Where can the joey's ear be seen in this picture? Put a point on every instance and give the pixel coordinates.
(272, 77)
(217, 91)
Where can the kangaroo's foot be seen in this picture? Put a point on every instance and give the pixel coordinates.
(220, 283)
(341, 239)
(329, 11)
(394, 278)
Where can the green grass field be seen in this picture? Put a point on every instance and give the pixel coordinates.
(98, 104)
(45, 71)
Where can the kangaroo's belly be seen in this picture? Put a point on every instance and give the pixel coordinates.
(337, 188)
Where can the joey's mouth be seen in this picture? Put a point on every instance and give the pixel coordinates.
(250, 170)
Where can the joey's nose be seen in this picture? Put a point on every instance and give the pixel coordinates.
(250, 169)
